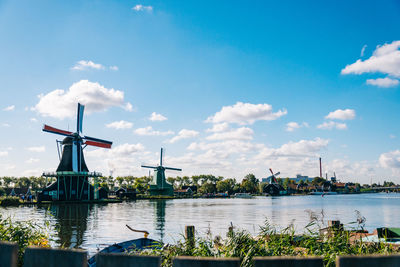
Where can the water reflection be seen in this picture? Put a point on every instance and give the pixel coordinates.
(88, 226)
(71, 222)
(160, 205)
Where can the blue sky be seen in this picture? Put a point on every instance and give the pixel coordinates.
(234, 87)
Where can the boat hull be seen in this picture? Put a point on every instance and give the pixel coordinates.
(126, 247)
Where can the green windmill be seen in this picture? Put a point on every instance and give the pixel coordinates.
(159, 186)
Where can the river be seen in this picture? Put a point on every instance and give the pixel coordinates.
(97, 225)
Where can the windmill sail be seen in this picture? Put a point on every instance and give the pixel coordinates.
(79, 119)
(72, 155)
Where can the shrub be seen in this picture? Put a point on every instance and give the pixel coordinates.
(10, 201)
(26, 234)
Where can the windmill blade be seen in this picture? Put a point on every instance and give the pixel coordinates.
(161, 156)
(91, 141)
(271, 171)
(74, 156)
(150, 167)
(79, 119)
(98, 144)
(276, 174)
(49, 129)
(174, 169)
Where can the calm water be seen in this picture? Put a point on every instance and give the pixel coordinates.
(92, 226)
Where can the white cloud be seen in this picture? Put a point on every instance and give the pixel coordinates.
(291, 126)
(150, 132)
(114, 68)
(9, 108)
(383, 82)
(332, 125)
(219, 127)
(36, 149)
(226, 147)
(87, 64)
(120, 125)
(390, 159)
(304, 148)
(245, 113)
(157, 117)
(342, 114)
(128, 107)
(127, 149)
(363, 50)
(6, 125)
(184, 134)
(243, 133)
(385, 59)
(142, 8)
(32, 160)
(3, 153)
(123, 159)
(124, 150)
(392, 136)
(34, 172)
(346, 170)
(33, 120)
(61, 104)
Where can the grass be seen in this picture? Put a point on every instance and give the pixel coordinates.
(270, 242)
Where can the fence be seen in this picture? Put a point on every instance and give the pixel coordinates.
(47, 257)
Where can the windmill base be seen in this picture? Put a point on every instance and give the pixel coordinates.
(154, 190)
(71, 188)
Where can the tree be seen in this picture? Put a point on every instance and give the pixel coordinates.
(207, 188)
(172, 181)
(196, 180)
(249, 183)
(286, 182)
(248, 186)
(120, 181)
(226, 185)
(318, 181)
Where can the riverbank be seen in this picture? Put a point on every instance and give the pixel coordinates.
(327, 244)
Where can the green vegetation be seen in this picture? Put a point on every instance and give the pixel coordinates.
(26, 234)
(270, 242)
(205, 184)
(10, 201)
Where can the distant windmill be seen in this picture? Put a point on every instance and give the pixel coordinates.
(274, 188)
(159, 186)
(72, 173)
(273, 177)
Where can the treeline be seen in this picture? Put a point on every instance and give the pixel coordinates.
(205, 183)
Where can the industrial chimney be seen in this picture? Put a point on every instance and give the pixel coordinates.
(320, 168)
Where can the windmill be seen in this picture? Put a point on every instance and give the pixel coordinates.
(159, 186)
(72, 156)
(273, 188)
(273, 176)
(72, 173)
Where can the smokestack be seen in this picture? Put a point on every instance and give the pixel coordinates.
(320, 168)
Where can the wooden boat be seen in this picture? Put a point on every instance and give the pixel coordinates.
(127, 246)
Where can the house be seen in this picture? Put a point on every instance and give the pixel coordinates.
(126, 193)
(183, 192)
(192, 187)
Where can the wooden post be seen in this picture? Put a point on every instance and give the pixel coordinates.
(189, 235)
